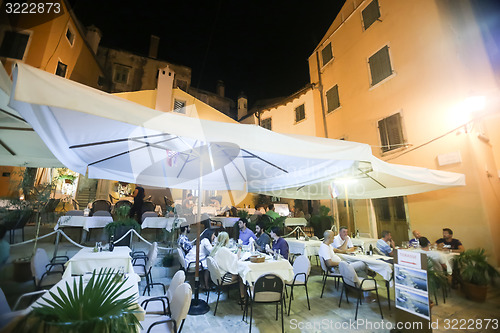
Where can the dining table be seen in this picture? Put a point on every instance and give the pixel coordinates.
(84, 222)
(364, 242)
(306, 247)
(227, 222)
(250, 271)
(86, 261)
(166, 223)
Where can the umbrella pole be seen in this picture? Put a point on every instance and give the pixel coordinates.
(198, 306)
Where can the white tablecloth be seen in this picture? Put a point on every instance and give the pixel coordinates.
(212, 211)
(364, 242)
(227, 222)
(250, 272)
(308, 248)
(294, 221)
(86, 261)
(381, 267)
(84, 222)
(447, 257)
(162, 222)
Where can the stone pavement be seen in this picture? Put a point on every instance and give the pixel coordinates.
(324, 316)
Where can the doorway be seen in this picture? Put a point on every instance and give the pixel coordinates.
(391, 216)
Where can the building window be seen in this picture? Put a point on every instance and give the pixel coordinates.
(300, 113)
(370, 14)
(14, 45)
(327, 54)
(380, 65)
(332, 98)
(70, 36)
(61, 69)
(121, 74)
(179, 106)
(266, 123)
(391, 132)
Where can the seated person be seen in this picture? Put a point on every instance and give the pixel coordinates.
(436, 256)
(215, 203)
(342, 243)
(206, 247)
(227, 262)
(188, 204)
(271, 212)
(332, 260)
(279, 244)
(262, 238)
(183, 241)
(299, 212)
(245, 233)
(386, 244)
(449, 243)
(414, 242)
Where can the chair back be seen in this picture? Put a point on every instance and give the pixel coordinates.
(102, 213)
(4, 305)
(148, 206)
(323, 265)
(148, 214)
(268, 288)
(301, 266)
(178, 209)
(38, 263)
(349, 274)
(178, 279)
(100, 205)
(214, 270)
(181, 301)
(74, 213)
(152, 255)
(376, 250)
(182, 260)
(76, 204)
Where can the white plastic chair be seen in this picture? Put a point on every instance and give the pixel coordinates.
(187, 267)
(74, 213)
(328, 273)
(46, 272)
(218, 279)
(301, 270)
(144, 270)
(178, 279)
(7, 314)
(181, 301)
(352, 281)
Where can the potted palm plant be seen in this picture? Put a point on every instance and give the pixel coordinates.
(121, 225)
(322, 222)
(98, 306)
(475, 273)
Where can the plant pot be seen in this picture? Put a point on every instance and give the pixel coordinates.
(22, 270)
(475, 292)
(68, 181)
(119, 232)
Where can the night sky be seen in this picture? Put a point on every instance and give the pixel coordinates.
(259, 47)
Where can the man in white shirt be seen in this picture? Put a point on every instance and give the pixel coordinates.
(342, 243)
(331, 259)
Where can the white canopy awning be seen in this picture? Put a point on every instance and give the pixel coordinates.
(112, 138)
(20, 145)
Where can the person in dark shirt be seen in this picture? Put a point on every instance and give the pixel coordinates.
(262, 238)
(449, 243)
(136, 209)
(279, 244)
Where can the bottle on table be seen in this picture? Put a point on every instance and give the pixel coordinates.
(112, 243)
(370, 251)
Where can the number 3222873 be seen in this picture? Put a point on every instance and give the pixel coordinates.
(32, 8)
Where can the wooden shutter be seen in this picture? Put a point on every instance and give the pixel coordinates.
(332, 98)
(380, 65)
(14, 45)
(300, 113)
(326, 54)
(370, 14)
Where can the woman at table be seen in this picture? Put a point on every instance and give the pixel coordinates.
(227, 262)
(206, 247)
(136, 210)
(279, 244)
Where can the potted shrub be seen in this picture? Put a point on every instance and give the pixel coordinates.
(322, 222)
(121, 225)
(96, 307)
(475, 273)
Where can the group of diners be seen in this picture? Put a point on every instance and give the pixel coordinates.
(216, 244)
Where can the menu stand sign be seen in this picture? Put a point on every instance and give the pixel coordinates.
(412, 292)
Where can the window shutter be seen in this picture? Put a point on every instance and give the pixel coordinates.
(394, 131)
(384, 140)
(380, 65)
(326, 54)
(370, 14)
(332, 98)
(300, 113)
(14, 45)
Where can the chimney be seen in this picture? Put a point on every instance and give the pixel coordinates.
(154, 42)
(164, 89)
(242, 106)
(93, 37)
(220, 88)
